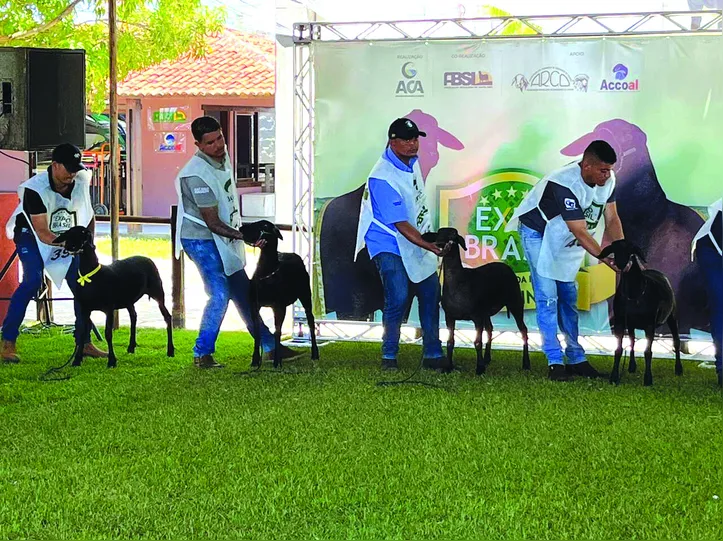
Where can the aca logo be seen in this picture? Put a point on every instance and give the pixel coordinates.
(620, 81)
(409, 85)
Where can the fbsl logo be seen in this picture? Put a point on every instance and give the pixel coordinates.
(620, 74)
(409, 86)
(467, 79)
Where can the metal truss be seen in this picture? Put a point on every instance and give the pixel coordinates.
(710, 22)
(598, 25)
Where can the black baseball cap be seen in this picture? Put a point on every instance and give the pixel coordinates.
(70, 156)
(403, 128)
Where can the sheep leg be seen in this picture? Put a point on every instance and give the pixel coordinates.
(673, 324)
(170, 348)
(450, 344)
(615, 374)
(109, 322)
(83, 322)
(520, 320)
(650, 335)
(255, 314)
(481, 366)
(305, 300)
(279, 315)
(488, 347)
(632, 367)
(134, 317)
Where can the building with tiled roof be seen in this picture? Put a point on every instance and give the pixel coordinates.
(236, 64)
(234, 82)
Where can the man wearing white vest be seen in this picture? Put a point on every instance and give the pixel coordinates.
(707, 246)
(556, 221)
(51, 202)
(208, 228)
(392, 218)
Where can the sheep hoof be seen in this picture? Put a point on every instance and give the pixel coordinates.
(111, 364)
(76, 363)
(171, 352)
(648, 380)
(131, 349)
(614, 380)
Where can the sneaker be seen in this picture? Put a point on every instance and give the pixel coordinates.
(434, 363)
(583, 369)
(557, 372)
(9, 353)
(206, 361)
(90, 350)
(287, 354)
(389, 364)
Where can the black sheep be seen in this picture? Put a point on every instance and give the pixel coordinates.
(644, 299)
(280, 279)
(112, 287)
(477, 295)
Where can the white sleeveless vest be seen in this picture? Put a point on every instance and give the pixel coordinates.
(705, 230)
(560, 253)
(222, 185)
(62, 215)
(418, 262)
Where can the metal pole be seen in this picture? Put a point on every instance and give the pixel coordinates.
(114, 150)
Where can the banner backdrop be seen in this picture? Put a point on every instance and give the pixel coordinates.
(499, 115)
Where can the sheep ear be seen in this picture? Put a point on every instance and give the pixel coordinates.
(460, 241)
(277, 232)
(430, 237)
(605, 252)
(638, 252)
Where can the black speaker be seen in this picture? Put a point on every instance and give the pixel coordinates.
(43, 98)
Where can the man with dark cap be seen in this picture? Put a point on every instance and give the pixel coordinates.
(393, 217)
(51, 202)
(707, 249)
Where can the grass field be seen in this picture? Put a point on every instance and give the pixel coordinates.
(158, 449)
(153, 247)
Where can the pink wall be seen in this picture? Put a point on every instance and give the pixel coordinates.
(12, 172)
(159, 169)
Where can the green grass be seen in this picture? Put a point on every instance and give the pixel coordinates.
(158, 449)
(153, 247)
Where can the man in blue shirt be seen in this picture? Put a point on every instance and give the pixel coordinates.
(393, 216)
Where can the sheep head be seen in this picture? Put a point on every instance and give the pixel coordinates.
(263, 229)
(445, 237)
(75, 239)
(624, 253)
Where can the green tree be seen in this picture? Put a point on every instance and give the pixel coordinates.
(149, 31)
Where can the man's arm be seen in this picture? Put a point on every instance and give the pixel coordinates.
(415, 237)
(613, 225)
(40, 225)
(214, 223)
(586, 240)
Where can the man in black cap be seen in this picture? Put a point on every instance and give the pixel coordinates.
(51, 202)
(393, 216)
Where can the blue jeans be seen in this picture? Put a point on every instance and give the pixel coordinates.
(556, 305)
(220, 289)
(712, 265)
(397, 288)
(33, 267)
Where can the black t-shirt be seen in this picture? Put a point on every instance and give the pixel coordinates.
(33, 204)
(556, 200)
(717, 231)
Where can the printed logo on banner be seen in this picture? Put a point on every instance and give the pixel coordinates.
(467, 79)
(620, 81)
(409, 85)
(551, 79)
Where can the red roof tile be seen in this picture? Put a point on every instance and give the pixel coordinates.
(236, 64)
